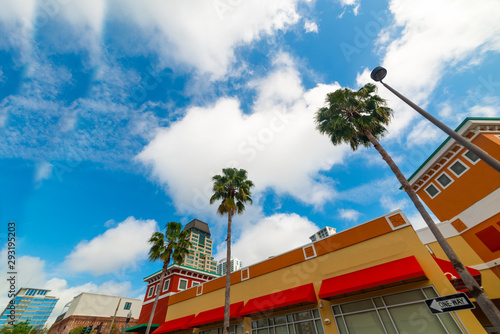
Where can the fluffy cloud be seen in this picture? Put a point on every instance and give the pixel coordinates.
(424, 132)
(270, 236)
(205, 38)
(350, 214)
(118, 248)
(43, 171)
(430, 41)
(311, 26)
(277, 143)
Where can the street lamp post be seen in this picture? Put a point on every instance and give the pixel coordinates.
(484, 302)
(379, 73)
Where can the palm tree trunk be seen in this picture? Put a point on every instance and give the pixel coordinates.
(160, 287)
(484, 302)
(228, 275)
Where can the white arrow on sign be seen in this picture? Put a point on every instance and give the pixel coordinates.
(435, 305)
(444, 304)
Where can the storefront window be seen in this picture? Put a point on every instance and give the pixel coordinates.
(234, 329)
(404, 312)
(305, 322)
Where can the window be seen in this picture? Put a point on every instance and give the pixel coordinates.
(432, 190)
(444, 180)
(151, 290)
(404, 312)
(183, 284)
(471, 157)
(166, 284)
(127, 306)
(195, 283)
(458, 168)
(234, 329)
(305, 322)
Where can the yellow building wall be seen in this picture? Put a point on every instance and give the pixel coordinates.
(352, 250)
(489, 277)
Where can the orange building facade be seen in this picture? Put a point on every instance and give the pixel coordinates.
(464, 194)
(374, 277)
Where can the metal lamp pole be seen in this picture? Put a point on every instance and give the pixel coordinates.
(379, 73)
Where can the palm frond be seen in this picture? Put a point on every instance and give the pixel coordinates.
(348, 114)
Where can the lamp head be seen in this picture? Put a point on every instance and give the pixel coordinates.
(378, 73)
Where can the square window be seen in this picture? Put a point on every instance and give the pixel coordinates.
(432, 190)
(471, 157)
(444, 180)
(183, 284)
(127, 306)
(458, 168)
(195, 283)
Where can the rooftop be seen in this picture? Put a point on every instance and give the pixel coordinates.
(199, 225)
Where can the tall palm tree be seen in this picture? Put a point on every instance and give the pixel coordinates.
(232, 188)
(359, 118)
(174, 244)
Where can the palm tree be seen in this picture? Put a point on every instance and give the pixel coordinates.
(232, 188)
(359, 118)
(174, 244)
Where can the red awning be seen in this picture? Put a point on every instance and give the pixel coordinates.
(300, 295)
(400, 270)
(174, 325)
(447, 267)
(216, 315)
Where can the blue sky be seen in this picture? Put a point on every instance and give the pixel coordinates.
(114, 116)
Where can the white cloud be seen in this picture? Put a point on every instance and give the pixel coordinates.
(43, 171)
(270, 236)
(349, 214)
(417, 221)
(118, 248)
(423, 132)
(351, 3)
(277, 143)
(310, 26)
(485, 111)
(205, 38)
(392, 204)
(17, 22)
(83, 13)
(435, 37)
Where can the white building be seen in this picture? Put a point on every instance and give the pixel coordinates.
(323, 233)
(221, 266)
(91, 309)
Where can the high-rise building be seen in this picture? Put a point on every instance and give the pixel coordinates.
(323, 233)
(28, 305)
(200, 252)
(221, 266)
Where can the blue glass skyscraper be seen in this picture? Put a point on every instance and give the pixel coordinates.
(28, 305)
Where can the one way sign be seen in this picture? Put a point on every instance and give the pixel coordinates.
(458, 301)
